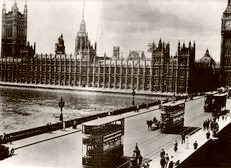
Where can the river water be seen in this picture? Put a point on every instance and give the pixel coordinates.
(22, 108)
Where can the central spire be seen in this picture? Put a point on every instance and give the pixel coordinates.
(83, 24)
(84, 9)
(15, 7)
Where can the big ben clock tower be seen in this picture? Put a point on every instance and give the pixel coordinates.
(226, 46)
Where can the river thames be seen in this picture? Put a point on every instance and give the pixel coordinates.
(22, 108)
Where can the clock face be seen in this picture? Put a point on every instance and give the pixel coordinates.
(228, 24)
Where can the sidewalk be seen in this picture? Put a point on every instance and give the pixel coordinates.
(63, 149)
(59, 133)
(182, 152)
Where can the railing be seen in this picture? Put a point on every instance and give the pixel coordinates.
(70, 123)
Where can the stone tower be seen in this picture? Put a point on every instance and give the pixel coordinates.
(159, 60)
(116, 52)
(14, 31)
(186, 66)
(225, 58)
(83, 46)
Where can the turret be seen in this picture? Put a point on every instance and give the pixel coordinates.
(160, 44)
(4, 8)
(15, 8)
(25, 9)
(34, 48)
(194, 48)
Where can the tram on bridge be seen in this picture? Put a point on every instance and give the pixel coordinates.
(172, 116)
(208, 105)
(102, 142)
(215, 102)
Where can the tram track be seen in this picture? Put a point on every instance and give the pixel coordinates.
(148, 141)
(151, 135)
(151, 139)
(144, 142)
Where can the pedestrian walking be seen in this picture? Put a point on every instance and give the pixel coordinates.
(3, 138)
(183, 138)
(146, 165)
(162, 153)
(171, 163)
(162, 162)
(187, 143)
(50, 128)
(204, 125)
(166, 160)
(209, 123)
(64, 125)
(195, 145)
(175, 146)
(208, 135)
(74, 126)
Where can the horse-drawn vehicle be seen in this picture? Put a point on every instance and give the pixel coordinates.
(153, 124)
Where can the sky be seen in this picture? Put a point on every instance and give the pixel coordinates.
(130, 24)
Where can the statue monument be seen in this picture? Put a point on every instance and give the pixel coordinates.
(59, 46)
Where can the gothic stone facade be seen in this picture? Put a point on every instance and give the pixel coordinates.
(162, 73)
(226, 46)
(14, 33)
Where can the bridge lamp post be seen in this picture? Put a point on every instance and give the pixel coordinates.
(61, 105)
(133, 96)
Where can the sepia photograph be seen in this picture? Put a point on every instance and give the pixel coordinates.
(115, 84)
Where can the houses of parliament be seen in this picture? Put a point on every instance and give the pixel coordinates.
(19, 63)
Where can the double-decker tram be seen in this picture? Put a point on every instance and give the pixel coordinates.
(215, 103)
(208, 105)
(103, 142)
(172, 116)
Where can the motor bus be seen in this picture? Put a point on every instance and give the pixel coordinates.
(172, 116)
(102, 143)
(216, 103)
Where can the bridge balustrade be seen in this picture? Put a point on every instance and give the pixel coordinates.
(57, 126)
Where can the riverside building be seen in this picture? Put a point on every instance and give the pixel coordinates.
(14, 33)
(160, 73)
(226, 46)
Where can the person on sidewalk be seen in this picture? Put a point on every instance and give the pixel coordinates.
(171, 163)
(166, 160)
(204, 125)
(183, 138)
(195, 145)
(223, 118)
(50, 128)
(146, 165)
(187, 143)
(162, 162)
(175, 146)
(64, 126)
(208, 135)
(162, 153)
